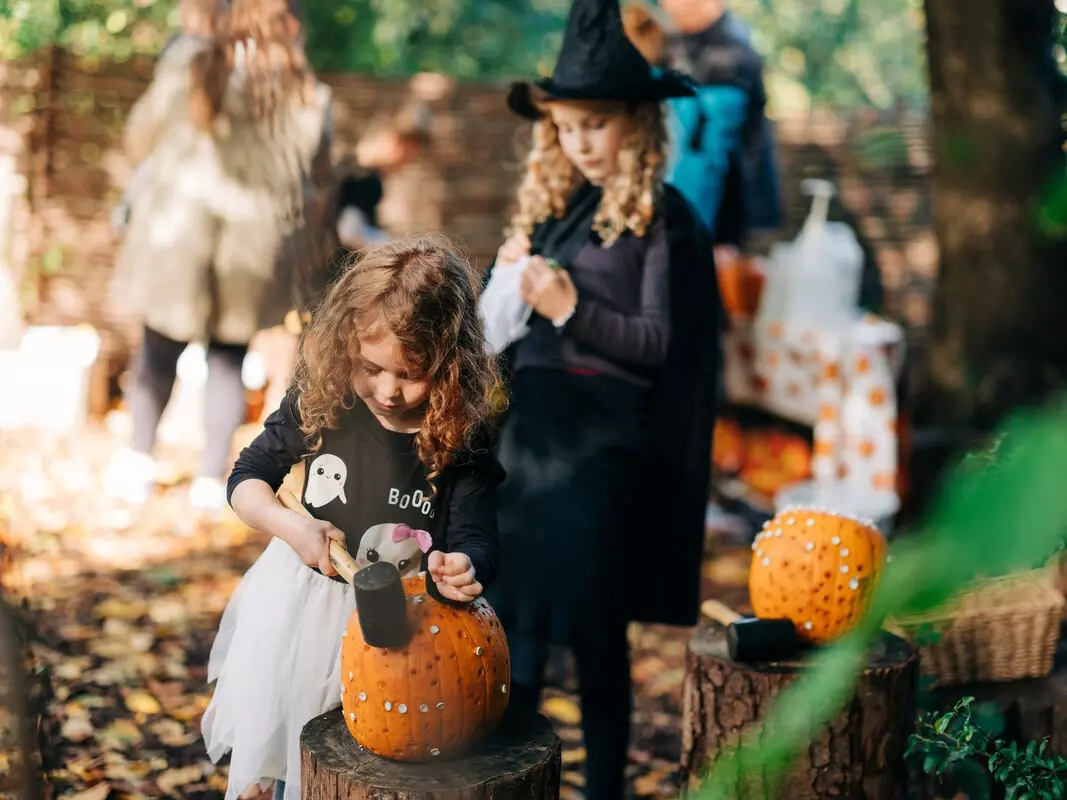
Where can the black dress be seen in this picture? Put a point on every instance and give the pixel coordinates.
(606, 443)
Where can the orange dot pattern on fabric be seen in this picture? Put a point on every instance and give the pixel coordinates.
(884, 481)
(815, 569)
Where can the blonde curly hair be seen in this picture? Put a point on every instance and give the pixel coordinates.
(424, 292)
(630, 195)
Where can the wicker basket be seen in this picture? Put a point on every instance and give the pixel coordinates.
(999, 629)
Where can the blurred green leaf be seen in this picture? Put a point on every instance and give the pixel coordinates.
(1052, 216)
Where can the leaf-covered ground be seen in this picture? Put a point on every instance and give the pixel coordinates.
(122, 604)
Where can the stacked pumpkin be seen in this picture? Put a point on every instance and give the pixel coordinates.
(444, 689)
(816, 569)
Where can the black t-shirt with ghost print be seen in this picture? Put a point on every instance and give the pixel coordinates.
(368, 482)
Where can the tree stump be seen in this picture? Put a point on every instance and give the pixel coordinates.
(520, 761)
(859, 755)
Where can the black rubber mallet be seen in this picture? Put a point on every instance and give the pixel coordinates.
(753, 640)
(381, 607)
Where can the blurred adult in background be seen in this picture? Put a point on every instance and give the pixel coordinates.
(391, 144)
(723, 157)
(225, 213)
(395, 158)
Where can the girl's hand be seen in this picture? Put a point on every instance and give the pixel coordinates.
(311, 539)
(550, 292)
(454, 575)
(514, 249)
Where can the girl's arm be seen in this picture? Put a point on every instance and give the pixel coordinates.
(472, 521)
(254, 482)
(273, 453)
(641, 338)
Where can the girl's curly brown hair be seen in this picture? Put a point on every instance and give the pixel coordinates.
(266, 37)
(425, 293)
(630, 196)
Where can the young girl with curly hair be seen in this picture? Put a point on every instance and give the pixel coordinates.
(607, 437)
(387, 413)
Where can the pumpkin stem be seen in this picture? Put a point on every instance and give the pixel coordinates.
(381, 607)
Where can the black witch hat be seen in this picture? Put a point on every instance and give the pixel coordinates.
(598, 62)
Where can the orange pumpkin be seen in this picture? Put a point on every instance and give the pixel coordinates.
(816, 569)
(446, 689)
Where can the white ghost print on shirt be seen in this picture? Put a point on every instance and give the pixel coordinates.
(396, 543)
(326, 481)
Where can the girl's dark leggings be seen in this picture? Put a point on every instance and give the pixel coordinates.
(603, 662)
(154, 373)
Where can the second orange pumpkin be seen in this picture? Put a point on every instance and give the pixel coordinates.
(816, 569)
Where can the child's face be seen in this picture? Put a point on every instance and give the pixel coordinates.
(591, 136)
(384, 381)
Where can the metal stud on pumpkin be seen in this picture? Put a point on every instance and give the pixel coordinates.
(404, 651)
(817, 570)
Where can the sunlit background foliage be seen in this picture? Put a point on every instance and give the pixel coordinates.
(839, 53)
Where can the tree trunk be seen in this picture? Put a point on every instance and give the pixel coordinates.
(859, 755)
(522, 761)
(996, 340)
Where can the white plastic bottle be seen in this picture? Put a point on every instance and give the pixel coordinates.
(826, 268)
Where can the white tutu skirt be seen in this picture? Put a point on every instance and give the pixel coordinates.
(277, 664)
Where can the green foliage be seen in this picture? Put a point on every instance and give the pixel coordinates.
(839, 53)
(114, 29)
(462, 38)
(944, 741)
(1052, 211)
(975, 529)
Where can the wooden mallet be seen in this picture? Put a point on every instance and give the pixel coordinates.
(381, 607)
(753, 640)
(339, 556)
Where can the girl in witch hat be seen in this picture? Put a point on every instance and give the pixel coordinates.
(607, 437)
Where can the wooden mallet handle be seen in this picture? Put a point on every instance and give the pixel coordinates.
(715, 610)
(339, 556)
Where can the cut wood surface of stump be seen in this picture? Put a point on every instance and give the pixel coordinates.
(520, 761)
(859, 755)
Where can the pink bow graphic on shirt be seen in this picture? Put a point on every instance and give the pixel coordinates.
(402, 532)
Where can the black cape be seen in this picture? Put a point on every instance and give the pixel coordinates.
(666, 537)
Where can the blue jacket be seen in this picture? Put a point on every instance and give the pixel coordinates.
(723, 154)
